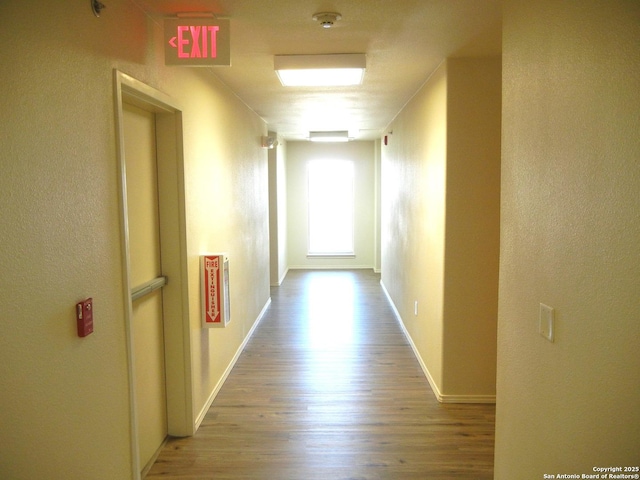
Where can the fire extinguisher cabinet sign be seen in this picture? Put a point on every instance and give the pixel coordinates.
(214, 272)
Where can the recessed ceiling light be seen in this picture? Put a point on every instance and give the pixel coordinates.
(338, 136)
(343, 69)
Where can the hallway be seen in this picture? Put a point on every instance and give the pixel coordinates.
(329, 388)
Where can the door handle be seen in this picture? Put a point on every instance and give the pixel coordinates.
(148, 287)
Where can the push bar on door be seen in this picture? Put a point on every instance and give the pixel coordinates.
(148, 287)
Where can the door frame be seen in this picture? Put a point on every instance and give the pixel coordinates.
(180, 415)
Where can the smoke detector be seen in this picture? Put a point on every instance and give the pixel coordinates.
(327, 19)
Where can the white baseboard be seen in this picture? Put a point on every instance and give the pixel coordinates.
(434, 387)
(491, 399)
(214, 393)
(281, 279)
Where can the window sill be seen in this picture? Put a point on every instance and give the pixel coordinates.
(331, 255)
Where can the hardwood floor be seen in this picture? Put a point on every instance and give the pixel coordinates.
(329, 388)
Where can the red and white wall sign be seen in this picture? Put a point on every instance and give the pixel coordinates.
(214, 271)
(197, 42)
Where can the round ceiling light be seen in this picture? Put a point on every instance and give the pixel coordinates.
(327, 19)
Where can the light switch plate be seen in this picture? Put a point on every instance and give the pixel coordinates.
(547, 318)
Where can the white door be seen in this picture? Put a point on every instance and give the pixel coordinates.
(145, 266)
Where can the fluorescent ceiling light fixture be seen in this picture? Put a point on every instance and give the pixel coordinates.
(341, 136)
(336, 70)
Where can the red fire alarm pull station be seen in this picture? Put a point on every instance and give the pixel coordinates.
(84, 317)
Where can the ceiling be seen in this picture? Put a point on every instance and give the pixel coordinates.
(404, 40)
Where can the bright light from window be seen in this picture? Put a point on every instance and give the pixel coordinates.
(331, 207)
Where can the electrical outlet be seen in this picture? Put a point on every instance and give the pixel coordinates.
(547, 318)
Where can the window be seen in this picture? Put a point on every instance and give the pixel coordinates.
(331, 207)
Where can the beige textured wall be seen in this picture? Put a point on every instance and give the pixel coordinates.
(283, 247)
(413, 217)
(363, 156)
(64, 407)
(472, 241)
(570, 238)
(440, 225)
(278, 212)
(226, 185)
(378, 206)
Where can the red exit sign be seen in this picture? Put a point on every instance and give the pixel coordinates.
(197, 42)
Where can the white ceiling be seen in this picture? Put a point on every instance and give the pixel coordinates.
(404, 40)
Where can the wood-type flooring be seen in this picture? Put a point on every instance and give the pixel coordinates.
(329, 388)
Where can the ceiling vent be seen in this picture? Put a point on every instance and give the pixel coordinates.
(327, 19)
